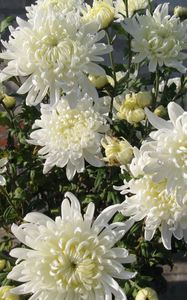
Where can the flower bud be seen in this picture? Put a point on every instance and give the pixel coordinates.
(147, 294)
(98, 81)
(122, 110)
(118, 152)
(2, 264)
(130, 101)
(160, 111)
(2, 91)
(101, 11)
(5, 293)
(180, 12)
(9, 101)
(143, 99)
(135, 116)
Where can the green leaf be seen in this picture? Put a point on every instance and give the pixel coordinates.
(5, 23)
(4, 119)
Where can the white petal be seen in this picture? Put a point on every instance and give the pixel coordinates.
(174, 111)
(166, 235)
(157, 122)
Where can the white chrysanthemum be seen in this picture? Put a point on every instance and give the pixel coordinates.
(159, 38)
(56, 51)
(68, 136)
(3, 162)
(42, 7)
(133, 6)
(151, 201)
(71, 258)
(168, 150)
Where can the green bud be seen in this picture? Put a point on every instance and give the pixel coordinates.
(9, 101)
(180, 12)
(2, 264)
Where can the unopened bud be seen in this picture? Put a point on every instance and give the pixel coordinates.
(135, 116)
(5, 293)
(101, 11)
(98, 81)
(147, 294)
(117, 152)
(2, 264)
(143, 99)
(9, 101)
(180, 12)
(160, 111)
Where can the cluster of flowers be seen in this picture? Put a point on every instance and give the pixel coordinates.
(58, 49)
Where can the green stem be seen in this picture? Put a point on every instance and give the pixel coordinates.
(110, 114)
(156, 87)
(129, 38)
(10, 113)
(150, 6)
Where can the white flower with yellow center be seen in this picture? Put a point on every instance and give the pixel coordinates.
(55, 52)
(151, 201)
(69, 136)
(168, 150)
(160, 39)
(102, 10)
(133, 6)
(3, 162)
(71, 258)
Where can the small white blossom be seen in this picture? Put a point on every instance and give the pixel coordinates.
(168, 149)
(3, 162)
(151, 201)
(56, 51)
(69, 136)
(71, 258)
(160, 39)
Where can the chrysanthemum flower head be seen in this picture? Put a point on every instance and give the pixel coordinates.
(3, 162)
(161, 39)
(152, 202)
(55, 52)
(71, 258)
(42, 7)
(168, 149)
(69, 136)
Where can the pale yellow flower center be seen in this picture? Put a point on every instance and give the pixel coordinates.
(51, 50)
(78, 264)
